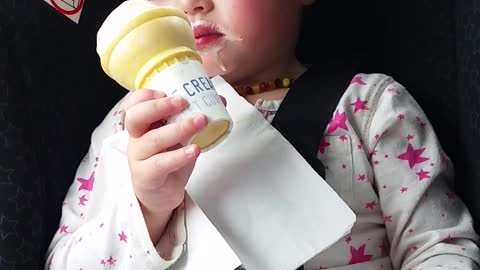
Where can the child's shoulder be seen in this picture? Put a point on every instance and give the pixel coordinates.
(376, 99)
(374, 88)
(371, 81)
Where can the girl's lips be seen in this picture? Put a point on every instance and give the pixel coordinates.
(206, 35)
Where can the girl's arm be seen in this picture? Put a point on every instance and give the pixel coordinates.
(102, 224)
(428, 226)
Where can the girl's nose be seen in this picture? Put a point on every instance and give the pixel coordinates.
(194, 7)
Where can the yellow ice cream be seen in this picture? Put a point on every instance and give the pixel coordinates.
(139, 40)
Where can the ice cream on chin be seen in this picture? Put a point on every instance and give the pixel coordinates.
(142, 45)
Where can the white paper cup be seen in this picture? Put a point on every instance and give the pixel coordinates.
(189, 80)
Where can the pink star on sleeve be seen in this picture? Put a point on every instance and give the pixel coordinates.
(358, 80)
(384, 247)
(358, 255)
(348, 240)
(413, 156)
(111, 261)
(371, 205)
(123, 237)
(387, 219)
(82, 199)
(423, 175)
(87, 184)
(359, 105)
(449, 239)
(323, 145)
(339, 121)
(63, 229)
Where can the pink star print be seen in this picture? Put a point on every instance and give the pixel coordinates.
(371, 205)
(123, 237)
(401, 117)
(103, 262)
(64, 229)
(82, 200)
(358, 255)
(86, 184)
(343, 138)
(376, 162)
(404, 189)
(358, 80)
(423, 175)
(111, 261)
(420, 122)
(387, 219)
(413, 156)
(348, 240)
(409, 137)
(323, 145)
(359, 105)
(373, 153)
(362, 177)
(377, 136)
(384, 247)
(450, 195)
(449, 239)
(339, 121)
(410, 231)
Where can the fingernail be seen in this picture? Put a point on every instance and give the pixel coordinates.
(191, 151)
(158, 94)
(200, 121)
(177, 101)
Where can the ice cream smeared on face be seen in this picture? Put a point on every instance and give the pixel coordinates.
(211, 40)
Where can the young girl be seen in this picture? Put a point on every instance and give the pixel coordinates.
(379, 151)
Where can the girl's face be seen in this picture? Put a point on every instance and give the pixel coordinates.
(243, 40)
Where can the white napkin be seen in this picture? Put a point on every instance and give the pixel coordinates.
(206, 248)
(271, 207)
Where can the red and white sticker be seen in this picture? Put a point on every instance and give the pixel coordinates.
(70, 8)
